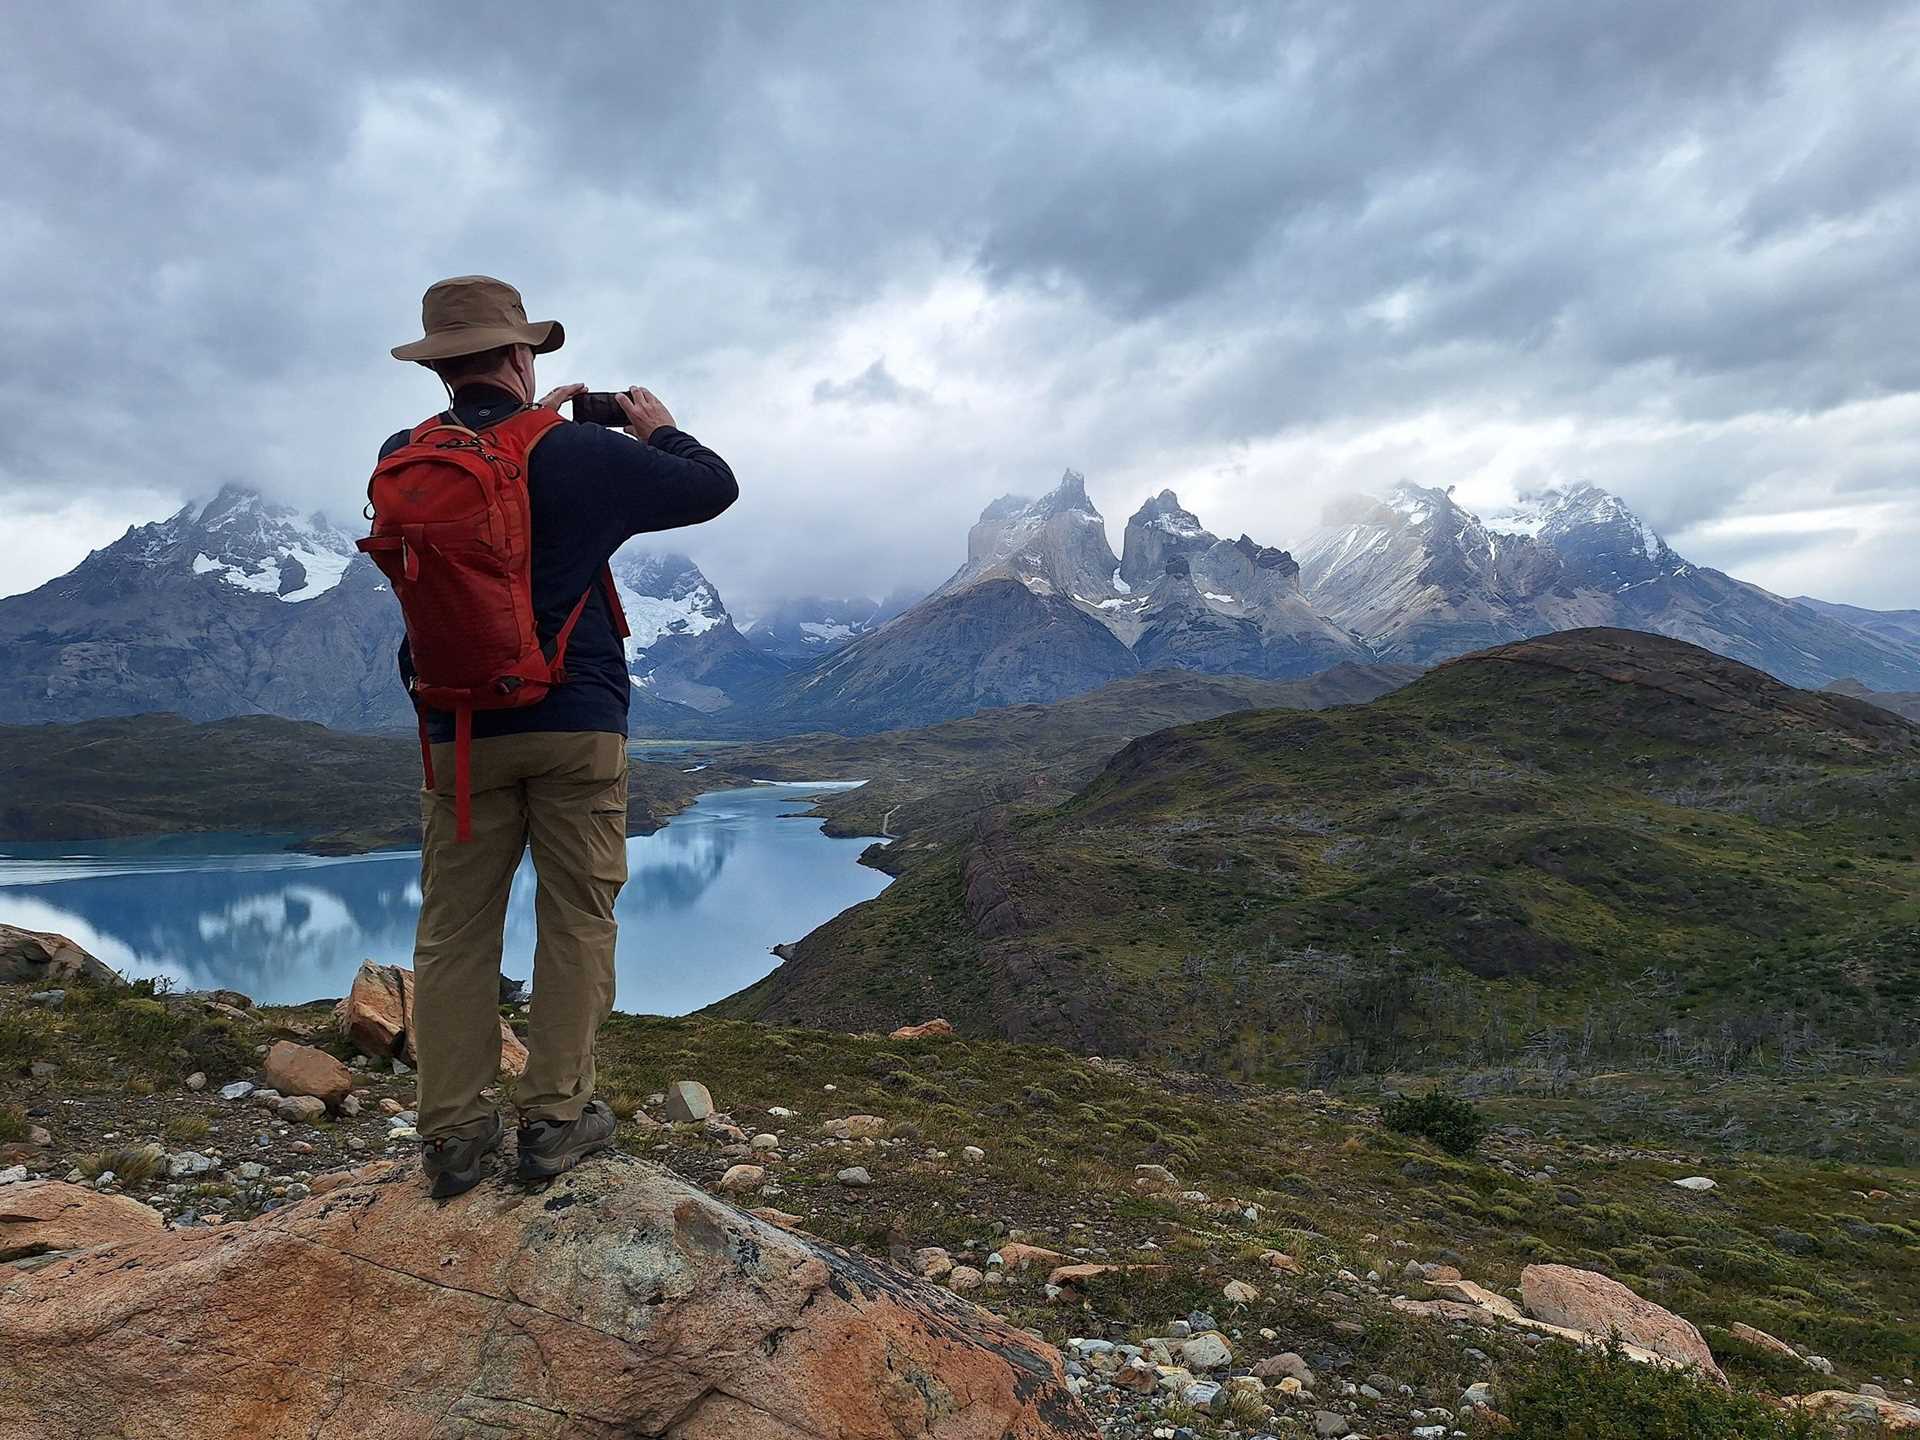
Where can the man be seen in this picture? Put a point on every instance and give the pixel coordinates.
(552, 774)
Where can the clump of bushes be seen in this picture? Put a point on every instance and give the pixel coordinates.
(25, 1036)
(13, 1123)
(156, 1037)
(1599, 1394)
(1448, 1121)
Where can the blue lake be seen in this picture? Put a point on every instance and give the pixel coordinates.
(707, 898)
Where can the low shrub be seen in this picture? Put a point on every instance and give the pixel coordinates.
(25, 1036)
(131, 1165)
(1599, 1394)
(158, 1038)
(186, 1129)
(13, 1123)
(1448, 1121)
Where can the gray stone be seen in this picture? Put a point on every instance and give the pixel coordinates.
(13, 1175)
(238, 1090)
(1205, 1395)
(301, 1109)
(1327, 1424)
(1477, 1396)
(1208, 1350)
(188, 1162)
(51, 999)
(688, 1100)
(855, 1175)
(197, 1080)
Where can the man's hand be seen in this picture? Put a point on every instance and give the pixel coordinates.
(554, 399)
(645, 413)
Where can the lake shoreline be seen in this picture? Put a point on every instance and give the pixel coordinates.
(709, 898)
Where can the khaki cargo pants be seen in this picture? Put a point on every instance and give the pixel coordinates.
(565, 794)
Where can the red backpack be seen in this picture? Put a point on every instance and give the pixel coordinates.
(453, 531)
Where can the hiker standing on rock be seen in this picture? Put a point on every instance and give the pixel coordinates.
(494, 521)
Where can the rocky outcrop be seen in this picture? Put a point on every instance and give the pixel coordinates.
(1894, 1417)
(619, 1301)
(1588, 1301)
(41, 958)
(376, 1018)
(43, 1215)
(923, 1030)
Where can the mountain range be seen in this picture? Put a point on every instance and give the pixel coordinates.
(240, 607)
(1041, 609)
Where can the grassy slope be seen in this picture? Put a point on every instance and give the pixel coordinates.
(160, 774)
(1594, 835)
(925, 787)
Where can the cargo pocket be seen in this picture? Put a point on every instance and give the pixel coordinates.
(607, 830)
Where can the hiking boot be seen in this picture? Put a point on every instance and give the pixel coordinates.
(456, 1163)
(552, 1147)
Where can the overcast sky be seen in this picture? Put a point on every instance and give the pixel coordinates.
(895, 260)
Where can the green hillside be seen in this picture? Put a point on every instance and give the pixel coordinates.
(1592, 844)
(925, 787)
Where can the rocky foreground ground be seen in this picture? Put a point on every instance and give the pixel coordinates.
(1209, 1260)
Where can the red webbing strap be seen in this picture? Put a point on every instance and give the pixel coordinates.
(426, 747)
(557, 666)
(463, 774)
(619, 611)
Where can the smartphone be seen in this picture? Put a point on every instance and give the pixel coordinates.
(598, 407)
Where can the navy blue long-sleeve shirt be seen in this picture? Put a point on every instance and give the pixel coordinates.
(591, 489)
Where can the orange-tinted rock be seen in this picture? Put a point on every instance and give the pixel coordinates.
(1017, 1256)
(616, 1301)
(1588, 1301)
(513, 1054)
(41, 1215)
(1760, 1339)
(1070, 1276)
(377, 1019)
(922, 1030)
(302, 1070)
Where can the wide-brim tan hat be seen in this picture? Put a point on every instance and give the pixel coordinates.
(471, 313)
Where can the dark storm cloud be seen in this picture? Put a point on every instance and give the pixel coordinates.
(1153, 241)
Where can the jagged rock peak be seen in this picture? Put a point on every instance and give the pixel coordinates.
(1069, 495)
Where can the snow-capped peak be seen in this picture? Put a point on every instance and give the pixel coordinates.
(242, 541)
(664, 593)
(1557, 513)
(1417, 504)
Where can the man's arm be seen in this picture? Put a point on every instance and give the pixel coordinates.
(667, 480)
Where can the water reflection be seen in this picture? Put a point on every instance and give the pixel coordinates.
(707, 897)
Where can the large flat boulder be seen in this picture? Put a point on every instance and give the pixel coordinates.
(1591, 1302)
(296, 1069)
(376, 1017)
(42, 958)
(617, 1301)
(43, 1215)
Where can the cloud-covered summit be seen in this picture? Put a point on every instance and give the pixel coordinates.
(895, 262)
